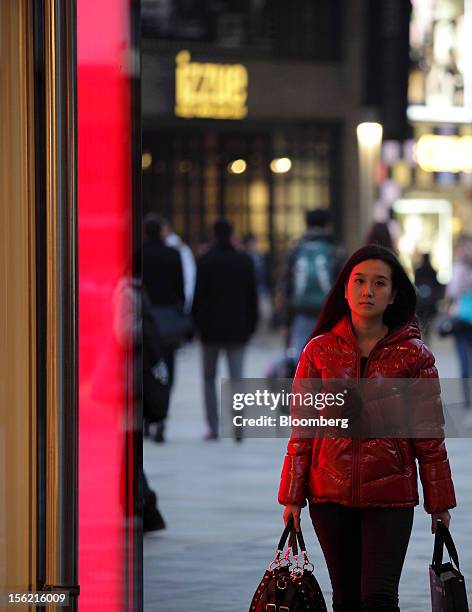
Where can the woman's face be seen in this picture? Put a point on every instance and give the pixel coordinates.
(369, 289)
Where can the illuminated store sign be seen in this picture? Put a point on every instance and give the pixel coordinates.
(209, 91)
(435, 153)
(440, 84)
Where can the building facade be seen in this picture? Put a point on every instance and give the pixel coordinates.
(288, 147)
(427, 178)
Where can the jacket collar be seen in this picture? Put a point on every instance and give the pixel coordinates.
(316, 233)
(343, 329)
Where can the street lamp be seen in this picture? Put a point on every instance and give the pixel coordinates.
(369, 140)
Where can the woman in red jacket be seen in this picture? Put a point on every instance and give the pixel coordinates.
(362, 491)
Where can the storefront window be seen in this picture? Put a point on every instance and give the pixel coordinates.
(440, 76)
(261, 181)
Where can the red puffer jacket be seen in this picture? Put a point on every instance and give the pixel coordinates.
(367, 472)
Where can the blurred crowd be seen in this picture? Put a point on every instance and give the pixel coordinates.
(223, 295)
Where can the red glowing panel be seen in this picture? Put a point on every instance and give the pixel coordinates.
(105, 225)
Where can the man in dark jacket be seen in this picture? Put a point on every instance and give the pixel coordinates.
(164, 284)
(225, 312)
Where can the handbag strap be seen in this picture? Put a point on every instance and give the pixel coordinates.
(293, 540)
(301, 541)
(284, 536)
(443, 538)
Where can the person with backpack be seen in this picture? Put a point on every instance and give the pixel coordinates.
(311, 268)
(429, 292)
(459, 298)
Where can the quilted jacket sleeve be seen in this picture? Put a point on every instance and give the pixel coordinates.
(435, 472)
(296, 467)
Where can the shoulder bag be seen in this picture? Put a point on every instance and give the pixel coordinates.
(448, 592)
(173, 325)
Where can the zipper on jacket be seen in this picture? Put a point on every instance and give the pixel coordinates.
(356, 449)
(316, 453)
(356, 456)
(356, 442)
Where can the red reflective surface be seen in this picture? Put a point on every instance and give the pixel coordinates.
(105, 226)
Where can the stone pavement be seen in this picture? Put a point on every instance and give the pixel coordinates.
(219, 500)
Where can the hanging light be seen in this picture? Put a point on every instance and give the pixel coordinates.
(369, 133)
(146, 161)
(280, 165)
(237, 166)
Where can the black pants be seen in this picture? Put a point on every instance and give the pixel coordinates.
(364, 550)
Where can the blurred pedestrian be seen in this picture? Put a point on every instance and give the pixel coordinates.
(251, 246)
(133, 329)
(189, 267)
(386, 234)
(259, 260)
(225, 310)
(163, 282)
(156, 388)
(155, 403)
(379, 233)
(429, 291)
(310, 270)
(459, 293)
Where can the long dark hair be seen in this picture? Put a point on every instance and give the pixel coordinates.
(336, 307)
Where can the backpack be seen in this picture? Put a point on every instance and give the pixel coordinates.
(313, 274)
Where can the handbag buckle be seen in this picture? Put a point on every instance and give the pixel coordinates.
(282, 583)
(297, 571)
(271, 608)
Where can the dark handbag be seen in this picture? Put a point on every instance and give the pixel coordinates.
(448, 592)
(172, 324)
(288, 586)
(156, 392)
(156, 388)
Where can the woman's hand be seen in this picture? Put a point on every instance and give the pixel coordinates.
(292, 510)
(444, 517)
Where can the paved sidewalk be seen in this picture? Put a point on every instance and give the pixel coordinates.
(219, 500)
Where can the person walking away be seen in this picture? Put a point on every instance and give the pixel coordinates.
(362, 490)
(164, 285)
(189, 267)
(310, 270)
(459, 294)
(379, 233)
(259, 260)
(388, 234)
(225, 311)
(429, 292)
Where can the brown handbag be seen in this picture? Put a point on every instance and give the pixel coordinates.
(289, 586)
